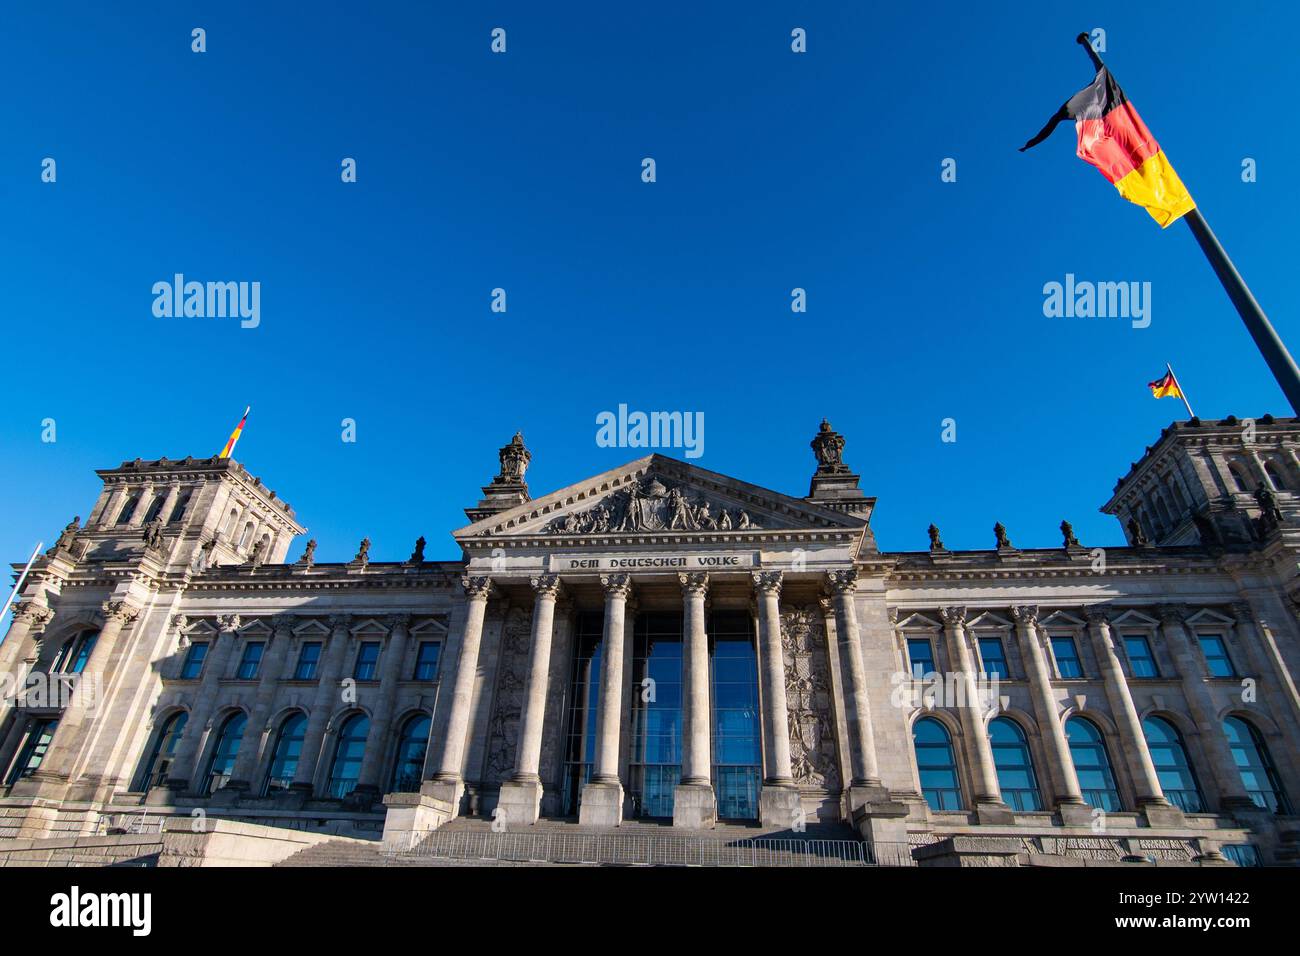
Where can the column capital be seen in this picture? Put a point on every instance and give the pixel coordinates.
(282, 623)
(1172, 613)
(842, 581)
(827, 604)
(1243, 612)
(337, 621)
(767, 582)
(546, 585)
(1098, 615)
(228, 622)
(617, 584)
(694, 582)
(1025, 614)
(476, 588)
(32, 614)
(394, 621)
(180, 622)
(954, 615)
(121, 612)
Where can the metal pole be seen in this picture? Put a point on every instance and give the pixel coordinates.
(21, 578)
(1181, 393)
(1261, 330)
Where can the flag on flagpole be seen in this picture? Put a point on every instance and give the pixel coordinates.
(1166, 386)
(1113, 138)
(234, 436)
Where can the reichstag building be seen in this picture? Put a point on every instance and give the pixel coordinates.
(663, 643)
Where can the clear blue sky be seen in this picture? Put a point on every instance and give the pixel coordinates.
(522, 171)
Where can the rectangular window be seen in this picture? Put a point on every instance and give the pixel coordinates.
(34, 749)
(367, 661)
(194, 659)
(920, 655)
(1141, 663)
(251, 661)
(1216, 655)
(1067, 658)
(308, 659)
(994, 658)
(426, 660)
(84, 649)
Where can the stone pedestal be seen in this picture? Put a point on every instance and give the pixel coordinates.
(1074, 814)
(449, 790)
(1161, 813)
(601, 805)
(694, 807)
(520, 802)
(994, 813)
(780, 807)
(410, 816)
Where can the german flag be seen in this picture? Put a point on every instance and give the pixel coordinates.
(1113, 138)
(234, 436)
(1166, 386)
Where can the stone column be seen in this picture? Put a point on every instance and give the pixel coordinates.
(1266, 657)
(111, 505)
(988, 804)
(694, 803)
(19, 651)
(779, 801)
(865, 771)
(268, 680)
(1146, 784)
(381, 718)
(447, 784)
(520, 801)
(601, 803)
(1061, 775)
(327, 696)
(180, 776)
(169, 502)
(1201, 708)
(69, 737)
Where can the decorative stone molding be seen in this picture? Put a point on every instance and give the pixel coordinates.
(1172, 613)
(32, 614)
(121, 612)
(694, 582)
(767, 582)
(953, 616)
(228, 622)
(476, 588)
(652, 506)
(813, 756)
(394, 621)
(1097, 613)
(282, 623)
(617, 584)
(507, 709)
(546, 584)
(336, 621)
(1025, 614)
(842, 581)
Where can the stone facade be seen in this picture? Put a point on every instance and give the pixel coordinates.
(175, 660)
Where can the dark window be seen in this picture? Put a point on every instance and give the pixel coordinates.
(1066, 653)
(1258, 775)
(1015, 767)
(994, 657)
(737, 758)
(1092, 764)
(164, 751)
(35, 747)
(194, 659)
(934, 760)
(426, 660)
(287, 753)
(584, 705)
(367, 661)
(412, 743)
(920, 655)
(155, 506)
(308, 660)
(251, 660)
(1216, 655)
(655, 766)
(178, 510)
(1172, 766)
(1141, 663)
(75, 653)
(348, 754)
(1242, 854)
(222, 760)
(124, 515)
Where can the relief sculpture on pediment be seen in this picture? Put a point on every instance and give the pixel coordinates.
(650, 505)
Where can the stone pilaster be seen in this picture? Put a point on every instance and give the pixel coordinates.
(327, 695)
(181, 774)
(381, 718)
(779, 802)
(268, 679)
(694, 803)
(602, 798)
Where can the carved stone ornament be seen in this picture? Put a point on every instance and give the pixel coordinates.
(153, 535)
(617, 584)
(503, 727)
(694, 582)
(308, 555)
(767, 582)
(119, 611)
(953, 616)
(546, 584)
(813, 759)
(417, 556)
(1136, 534)
(828, 446)
(228, 622)
(1025, 613)
(32, 614)
(476, 587)
(844, 581)
(1067, 535)
(936, 542)
(1000, 536)
(650, 505)
(514, 461)
(66, 537)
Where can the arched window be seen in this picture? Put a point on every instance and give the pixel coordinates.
(155, 506)
(178, 511)
(1163, 511)
(229, 530)
(1258, 775)
(1275, 475)
(222, 760)
(412, 743)
(156, 768)
(1240, 476)
(1015, 767)
(75, 653)
(348, 752)
(1091, 764)
(128, 509)
(934, 760)
(245, 535)
(1175, 492)
(1172, 766)
(287, 753)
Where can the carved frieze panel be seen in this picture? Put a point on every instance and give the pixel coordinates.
(652, 505)
(813, 758)
(512, 675)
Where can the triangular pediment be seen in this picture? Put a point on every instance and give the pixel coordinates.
(656, 495)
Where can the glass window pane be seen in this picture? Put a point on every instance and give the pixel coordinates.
(194, 659)
(1068, 665)
(1141, 662)
(1092, 764)
(920, 654)
(937, 768)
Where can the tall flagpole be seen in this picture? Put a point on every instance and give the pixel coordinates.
(21, 578)
(1261, 330)
(1181, 394)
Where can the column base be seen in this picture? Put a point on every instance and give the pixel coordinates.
(994, 812)
(520, 802)
(695, 807)
(1162, 813)
(447, 789)
(601, 805)
(781, 807)
(1074, 814)
(411, 817)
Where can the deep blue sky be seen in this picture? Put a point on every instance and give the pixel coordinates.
(522, 170)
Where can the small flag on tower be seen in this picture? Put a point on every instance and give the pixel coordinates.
(1113, 138)
(1166, 386)
(234, 436)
